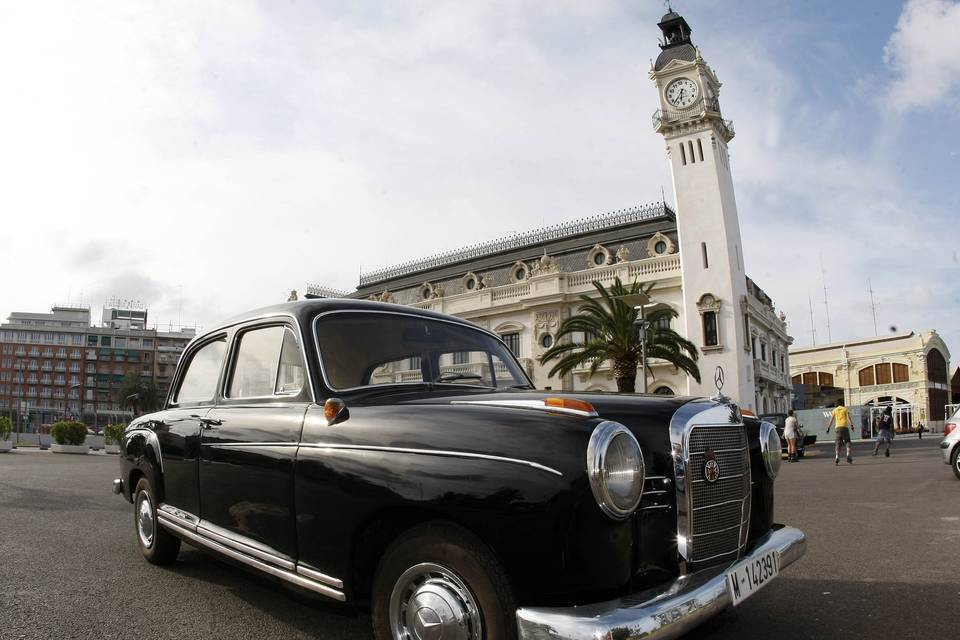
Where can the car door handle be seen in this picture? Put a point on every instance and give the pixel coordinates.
(210, 423)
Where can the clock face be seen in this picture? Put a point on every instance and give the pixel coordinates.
(682, 92)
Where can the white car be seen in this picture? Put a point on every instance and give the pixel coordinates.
(951, 444)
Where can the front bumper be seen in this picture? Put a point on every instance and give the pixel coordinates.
(664, 612)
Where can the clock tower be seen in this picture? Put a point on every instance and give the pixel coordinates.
(711, 253)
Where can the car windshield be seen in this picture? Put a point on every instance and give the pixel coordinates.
(363, 349)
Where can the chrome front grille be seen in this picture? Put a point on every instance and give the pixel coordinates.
(719, 512)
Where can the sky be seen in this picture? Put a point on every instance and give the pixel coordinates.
(206, 158)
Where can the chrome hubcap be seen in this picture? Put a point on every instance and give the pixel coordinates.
(145, 520)
(430, 602)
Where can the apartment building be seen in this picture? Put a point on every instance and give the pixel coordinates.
(58, 364)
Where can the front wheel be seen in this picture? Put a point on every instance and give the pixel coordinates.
(955, 462)
(439, 581)
(158, 545)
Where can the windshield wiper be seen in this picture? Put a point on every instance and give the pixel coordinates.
(449, 377)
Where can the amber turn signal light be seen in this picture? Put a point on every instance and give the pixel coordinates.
(334, 410)
(570, 403)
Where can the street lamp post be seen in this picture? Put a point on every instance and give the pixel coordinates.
(638, 301)
(135, 397)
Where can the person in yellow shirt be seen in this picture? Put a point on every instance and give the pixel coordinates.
(841, 417)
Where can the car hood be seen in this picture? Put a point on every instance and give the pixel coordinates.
(498, 421)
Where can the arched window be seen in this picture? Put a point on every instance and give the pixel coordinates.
(901, 372)
(663, 391)
(936, 367)
(710, 336)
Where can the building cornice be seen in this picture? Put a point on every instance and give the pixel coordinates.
(521, 241)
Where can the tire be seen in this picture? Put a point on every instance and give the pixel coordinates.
(955, 461)
(157, 545)
(445, 569)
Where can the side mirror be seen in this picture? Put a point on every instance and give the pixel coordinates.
(335, 411)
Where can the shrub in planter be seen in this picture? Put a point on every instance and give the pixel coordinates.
(5, 428)
(112, 433)
(69, 432)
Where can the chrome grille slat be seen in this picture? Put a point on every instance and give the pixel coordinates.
(717, 511)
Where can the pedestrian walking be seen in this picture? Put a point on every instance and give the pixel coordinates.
(884, 425)
(841, 417)
(790, 434)
(920, 431)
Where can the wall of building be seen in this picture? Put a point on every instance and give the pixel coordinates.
(901, 372)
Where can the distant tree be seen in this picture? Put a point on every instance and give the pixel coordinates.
(609, 329)
(138, 393)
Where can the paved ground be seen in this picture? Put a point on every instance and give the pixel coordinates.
(881, 561)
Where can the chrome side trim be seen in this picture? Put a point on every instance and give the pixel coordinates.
(313, 574)
(245, 545)
(241, 445)
(293, 578)
(431, 452)
(538, 405)
(664, 612)
(178, 516)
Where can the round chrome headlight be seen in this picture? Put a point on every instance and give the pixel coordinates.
(770, 449)
(617, 472)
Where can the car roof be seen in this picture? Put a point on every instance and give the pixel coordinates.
(304, 310)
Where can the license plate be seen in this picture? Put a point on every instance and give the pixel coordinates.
(746, 578)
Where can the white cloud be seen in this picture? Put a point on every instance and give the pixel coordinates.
(924, 54)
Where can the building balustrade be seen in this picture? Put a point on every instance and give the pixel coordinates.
(767, 371)
(557, 283)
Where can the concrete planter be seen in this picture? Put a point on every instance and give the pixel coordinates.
(111, 448)
(69, 448)
(6, 445)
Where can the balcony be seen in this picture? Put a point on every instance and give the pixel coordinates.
(708, 107)
(556, 284)
(765, 371)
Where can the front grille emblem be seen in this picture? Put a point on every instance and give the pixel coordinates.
(711, 468)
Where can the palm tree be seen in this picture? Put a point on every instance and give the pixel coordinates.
(609, 329)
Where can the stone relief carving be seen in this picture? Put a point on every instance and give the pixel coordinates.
(545, 322)
(623, 254)
(545, 265)
(486, 282)
(708, 302)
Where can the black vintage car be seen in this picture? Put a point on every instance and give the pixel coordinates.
(399, 458)
(804, 440)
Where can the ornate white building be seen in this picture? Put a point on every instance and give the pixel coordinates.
(906, 371)
(523, 286)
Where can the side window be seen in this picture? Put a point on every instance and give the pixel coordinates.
(200, 380)
(267, 363)
(291, 376)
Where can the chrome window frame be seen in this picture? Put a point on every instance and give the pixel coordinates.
(228, 330)
(232, 353)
